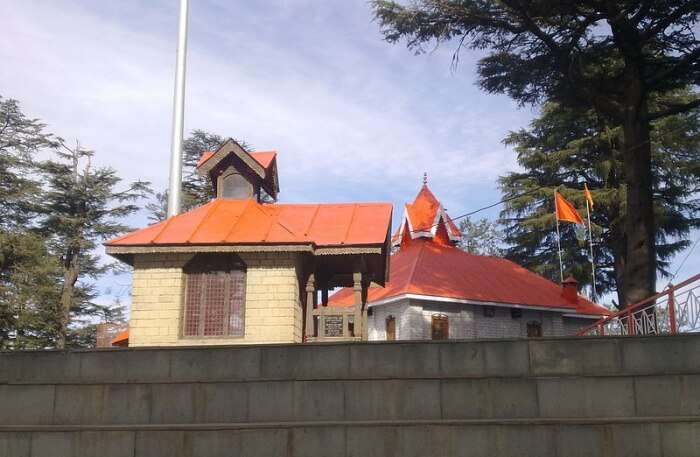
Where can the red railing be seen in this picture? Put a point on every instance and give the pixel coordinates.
(675, 310)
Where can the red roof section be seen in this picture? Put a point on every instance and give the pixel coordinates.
(264, 158)
(231, 221)
(427, 268)
(422, 216)
(121, 339)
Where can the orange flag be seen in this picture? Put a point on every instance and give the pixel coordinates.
(588, 195)
(565, 211)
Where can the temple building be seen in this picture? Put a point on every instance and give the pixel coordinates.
(438, 291)
(245, 269)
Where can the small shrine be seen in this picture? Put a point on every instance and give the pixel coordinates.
(438, 291)
(245, 269)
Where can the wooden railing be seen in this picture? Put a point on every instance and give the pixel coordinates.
(675, 310)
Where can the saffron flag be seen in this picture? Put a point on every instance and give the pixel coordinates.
(565, 211)
(588, 195)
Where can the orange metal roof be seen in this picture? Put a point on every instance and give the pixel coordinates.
(422, 216)
(264, 158)
(121, 338)
(230, 221)
(424, 267)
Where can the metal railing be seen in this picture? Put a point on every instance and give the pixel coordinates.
(675, 310)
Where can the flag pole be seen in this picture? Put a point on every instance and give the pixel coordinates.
(590, 241)
(174, 199)
(556, 217)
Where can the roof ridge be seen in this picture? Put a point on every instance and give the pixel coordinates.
(276, 220)
(214, 204)
(421, 247)
(352, 218)
(238, 220)
(311, 222)
(165, 225)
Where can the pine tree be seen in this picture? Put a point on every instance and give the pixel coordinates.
(610, 56)
(481, 237)
(81, 208)
(196, 190)
(27, 271)
(564, 148)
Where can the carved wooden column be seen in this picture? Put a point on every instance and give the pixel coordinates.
(310, 299)
(357, 289)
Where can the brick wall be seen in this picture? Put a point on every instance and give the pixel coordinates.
(272, 314)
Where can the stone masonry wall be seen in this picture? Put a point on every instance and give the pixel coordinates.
(413, 321)
(272, 311)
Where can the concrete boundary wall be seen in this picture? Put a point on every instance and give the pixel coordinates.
(540, 397)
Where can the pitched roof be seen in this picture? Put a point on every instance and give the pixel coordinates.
(232, 221)
(430, 269)
(264, 158)
(423, 216)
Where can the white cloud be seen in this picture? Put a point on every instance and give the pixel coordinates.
(353, 117)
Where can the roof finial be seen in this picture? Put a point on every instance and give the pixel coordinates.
(425, 178)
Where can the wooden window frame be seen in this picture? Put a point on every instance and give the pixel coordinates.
(214, 264)
(446, 325)
(388, 319)
(537, 326)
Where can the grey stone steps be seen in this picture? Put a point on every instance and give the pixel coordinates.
(652, 438)
(353, 423)
(256, 401)
(488, 358)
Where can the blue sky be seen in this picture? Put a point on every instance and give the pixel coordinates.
(352, 117)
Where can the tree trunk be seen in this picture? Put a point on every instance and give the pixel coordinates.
(639, 278)
(70, 276)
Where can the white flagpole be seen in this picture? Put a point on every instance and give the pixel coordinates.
(178, 115)
(590, 241)
(556, 217)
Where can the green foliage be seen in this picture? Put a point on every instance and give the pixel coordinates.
(82, 207)
(20, 139)
(564, 148)
(617, 58)
(55, 214)
(481, 237)
(196, 189)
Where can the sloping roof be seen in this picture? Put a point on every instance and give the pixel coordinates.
(264, 158)
(231, 221)
(430, 269)
(423, 216)
(121, 339)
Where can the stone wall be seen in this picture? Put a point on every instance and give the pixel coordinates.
(273, 311)
(566, 397)
(413, 321)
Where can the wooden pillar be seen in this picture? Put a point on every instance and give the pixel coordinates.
(357, 289)
(310, 299)
(365, 326)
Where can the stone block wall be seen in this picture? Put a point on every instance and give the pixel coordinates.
(413, 321)
(273, 311)
(549, 397)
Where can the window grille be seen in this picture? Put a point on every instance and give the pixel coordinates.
(214, 296)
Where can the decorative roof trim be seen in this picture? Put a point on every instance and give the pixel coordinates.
(584, 316)
(193, 248)
(231, 146)
(434, 298)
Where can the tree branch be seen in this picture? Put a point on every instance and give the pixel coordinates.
(681, 65)
(674, 109)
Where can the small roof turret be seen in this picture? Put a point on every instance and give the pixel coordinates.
(426, 218)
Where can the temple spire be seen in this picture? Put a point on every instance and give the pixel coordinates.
(425, 178)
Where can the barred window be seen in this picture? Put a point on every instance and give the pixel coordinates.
(214, 296)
